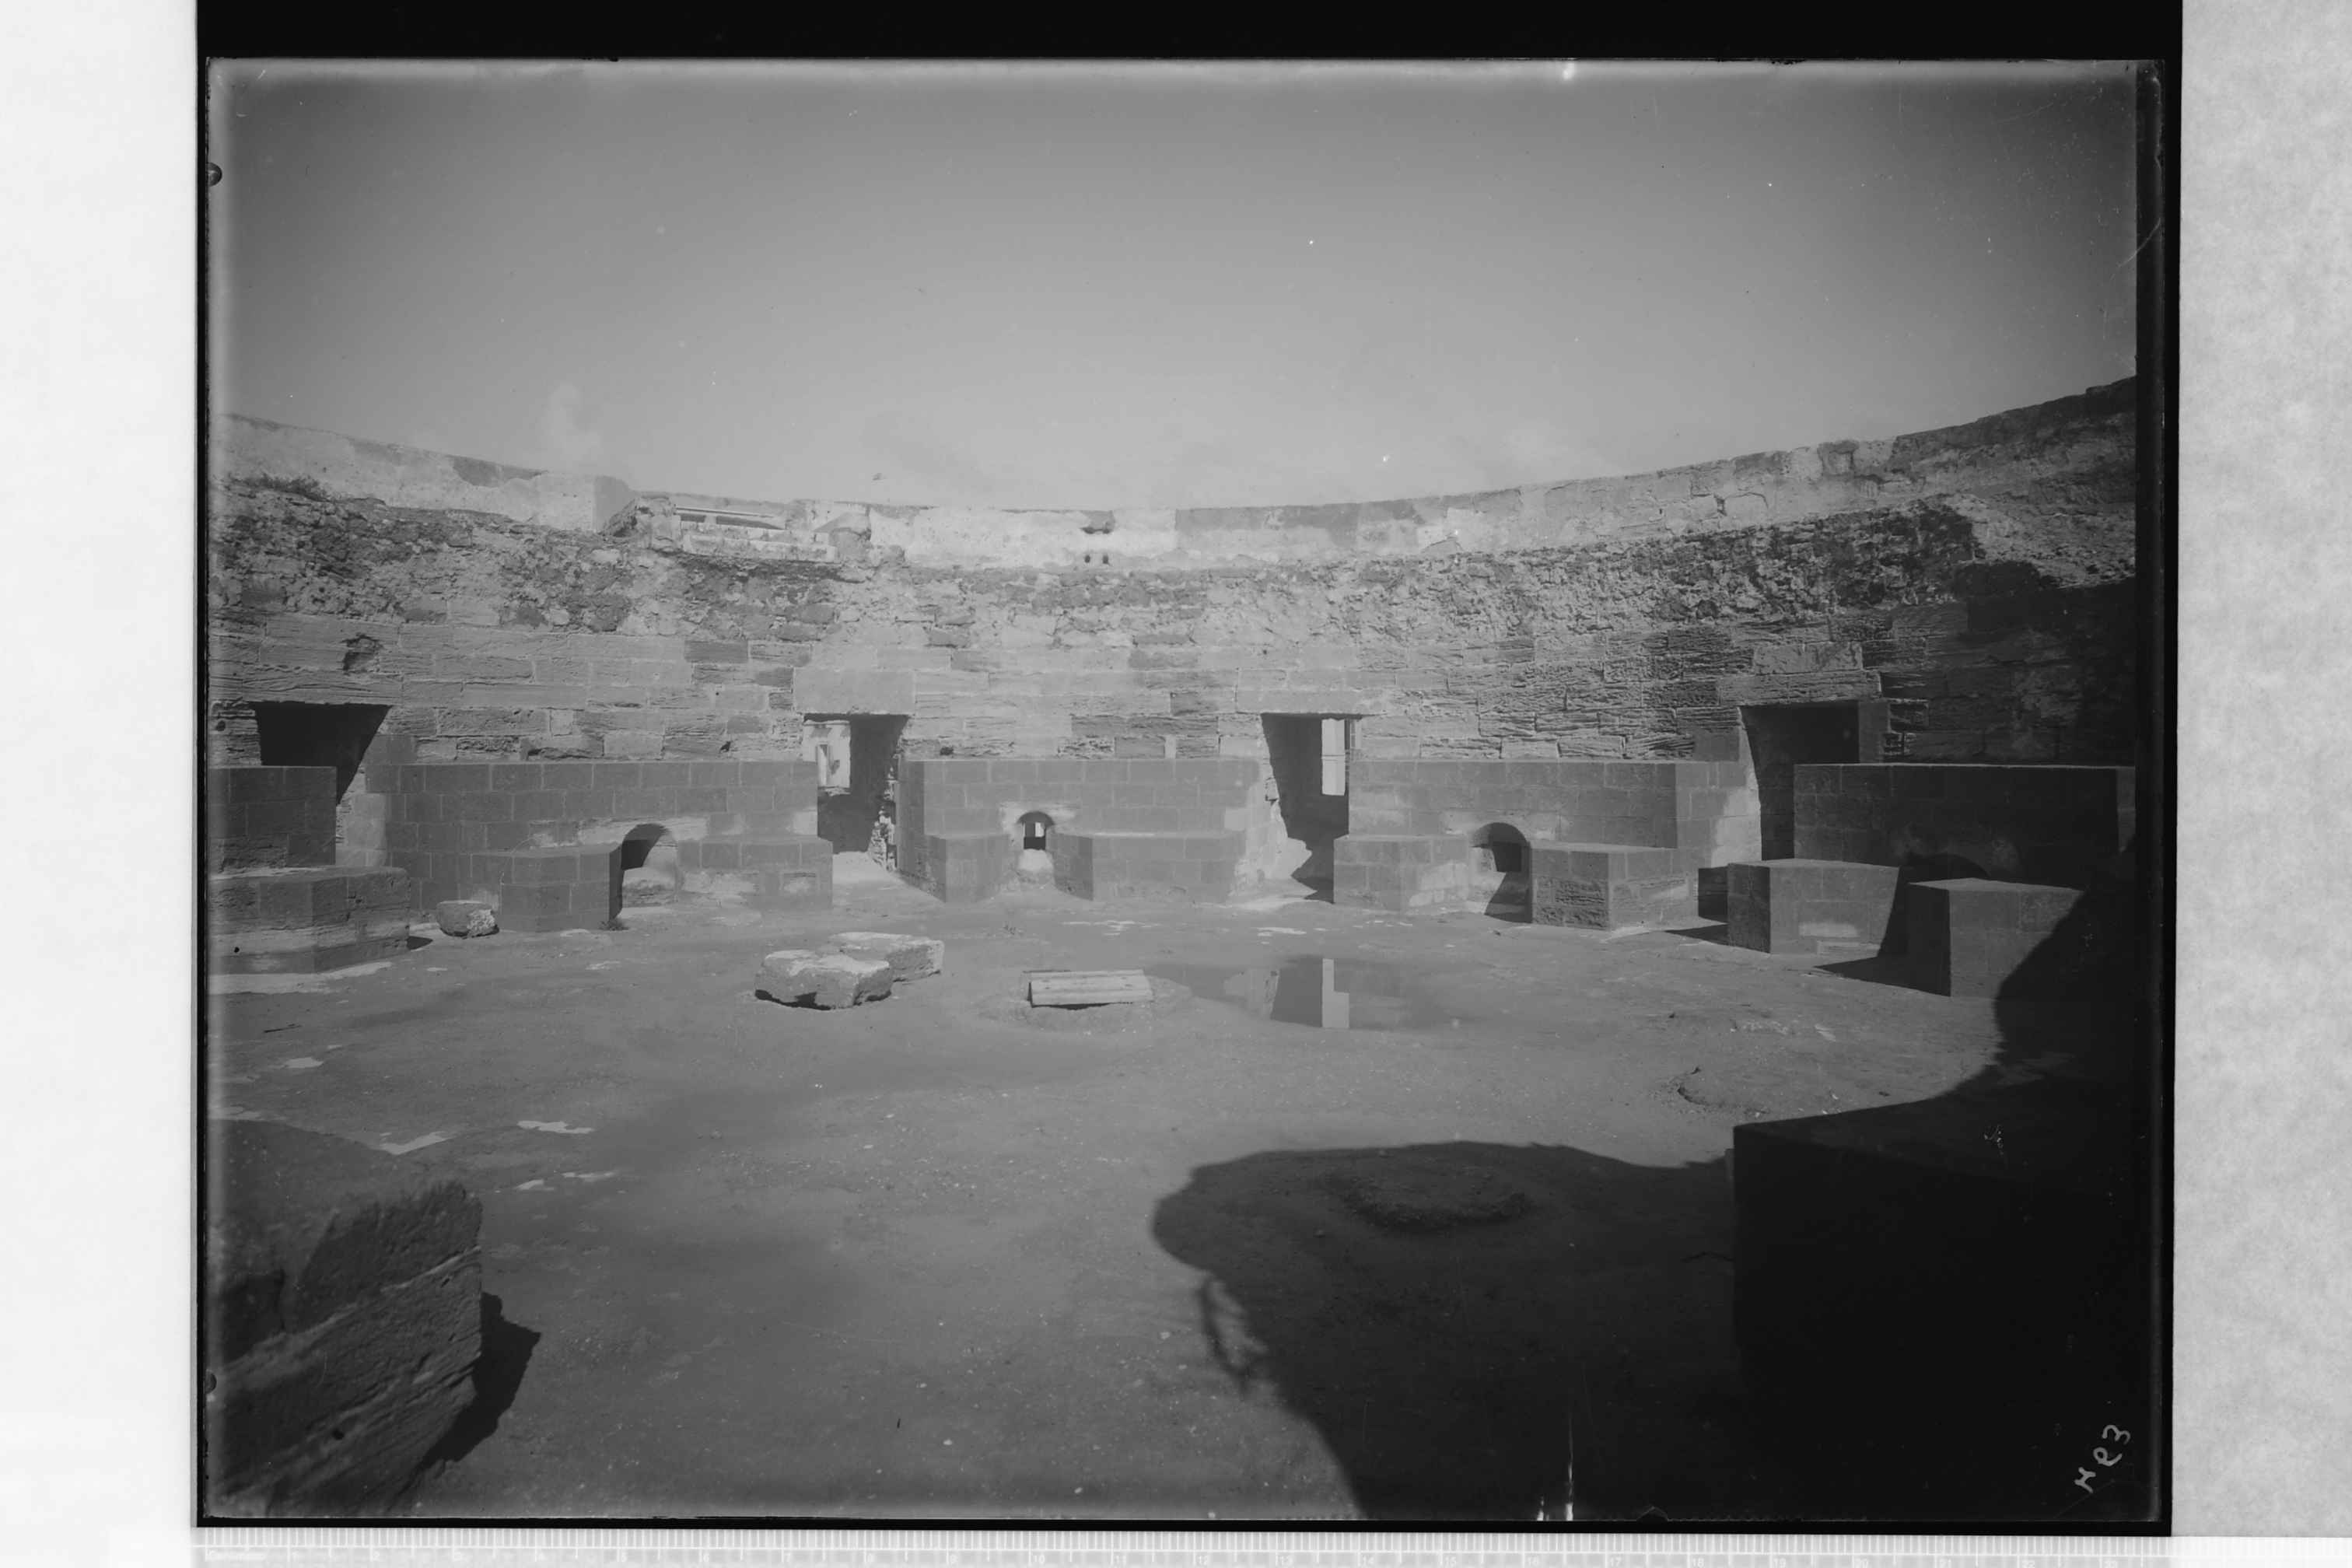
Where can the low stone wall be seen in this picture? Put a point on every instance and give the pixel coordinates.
(2015, 823)
(304, 919)
(442, 820)
(950, 808)
(341, 1319)
(261, 816)
(974, 795)
(1196, 868)
(1709, 805)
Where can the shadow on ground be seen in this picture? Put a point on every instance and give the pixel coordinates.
(1461, 1322)
(1949, 1309)
(498, 1378)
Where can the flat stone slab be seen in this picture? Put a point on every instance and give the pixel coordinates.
(824, 979)
(463, 917)
(1086, 988)
(910, 957)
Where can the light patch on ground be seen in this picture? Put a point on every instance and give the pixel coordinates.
(280, 985)
(413, 1144)
(297, 1064)
(551, 1127)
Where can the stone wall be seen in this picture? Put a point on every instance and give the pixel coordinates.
(448, 824)
(1694, 805)
(1978, 581)
(960, 817)
(2031, 823)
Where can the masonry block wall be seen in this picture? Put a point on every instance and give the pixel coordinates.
(1977, 581)
(445, 822)
(1412, 821)
(257, 816)
(1672, 805)
(958, 817)
(2018, 824)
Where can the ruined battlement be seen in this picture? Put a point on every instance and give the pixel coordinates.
(2068, 464)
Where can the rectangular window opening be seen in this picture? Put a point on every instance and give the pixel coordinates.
(1335, 756)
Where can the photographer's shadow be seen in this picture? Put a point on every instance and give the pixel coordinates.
(1466, 1324)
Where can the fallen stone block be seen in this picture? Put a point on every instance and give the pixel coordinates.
(463, 917)
(910, 957)
(1087, 987)
(824, 979)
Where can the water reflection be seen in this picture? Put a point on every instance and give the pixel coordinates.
(1318, 992)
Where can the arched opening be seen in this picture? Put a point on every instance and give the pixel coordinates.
(1498, 872)
(649, 869)
(1034, 862)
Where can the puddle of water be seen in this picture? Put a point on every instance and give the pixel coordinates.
(1320, 993)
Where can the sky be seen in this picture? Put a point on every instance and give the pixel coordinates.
(1087, 285)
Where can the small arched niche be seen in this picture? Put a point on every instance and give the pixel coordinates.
(1033, 846)
(1498, 872)
(649, 868)
(1499, 847)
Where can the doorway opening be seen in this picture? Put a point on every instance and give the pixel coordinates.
(1033, 859)
(1307, 753)
(857, 783)
(1778, 738)
(1498, 872)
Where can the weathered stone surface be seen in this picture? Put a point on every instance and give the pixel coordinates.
(824, 979)
(341, 1319)
(306, 919)
(910, 957)
(463, 917)
(1980, 579)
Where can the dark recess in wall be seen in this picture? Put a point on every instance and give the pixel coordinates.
(318, 735)
(1778, 738)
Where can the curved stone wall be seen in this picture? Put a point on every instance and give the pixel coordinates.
(1974, 585)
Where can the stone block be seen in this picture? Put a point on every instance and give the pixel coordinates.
(1609, 886)
(910, 957)
(561, 889)
(463, 917)
(792, 887)
(1810, 906)
(341, 1319)
(303, 920)
(258, 817)
(1971, 937)
(829, 979)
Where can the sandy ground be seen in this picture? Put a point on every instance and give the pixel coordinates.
(946, 1256)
